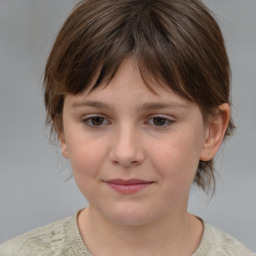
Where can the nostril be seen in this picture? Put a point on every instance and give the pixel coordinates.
(126, 164)
(115, 162)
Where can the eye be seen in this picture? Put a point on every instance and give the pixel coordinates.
(95, 121)
(160, 121)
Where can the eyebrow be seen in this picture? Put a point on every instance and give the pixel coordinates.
(146, 106)
(94, 104)
(152, 106)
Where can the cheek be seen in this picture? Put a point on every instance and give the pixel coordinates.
(86, 156)
(86, 162)
(177, 159)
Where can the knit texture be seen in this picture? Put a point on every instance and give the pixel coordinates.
(63, 238)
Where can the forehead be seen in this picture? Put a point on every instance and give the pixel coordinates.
(128, 86)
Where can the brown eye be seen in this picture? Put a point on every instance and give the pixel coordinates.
(160, 121)
(96, 121)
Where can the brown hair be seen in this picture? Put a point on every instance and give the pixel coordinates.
(175, 42)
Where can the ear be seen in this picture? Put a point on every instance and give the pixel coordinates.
(216, 129)
(63, 145)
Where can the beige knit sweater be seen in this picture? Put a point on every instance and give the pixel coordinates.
(63, 238)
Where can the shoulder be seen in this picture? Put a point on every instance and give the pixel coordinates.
(50, 239)
(215, 242)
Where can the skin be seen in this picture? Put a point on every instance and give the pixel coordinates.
(136, 134)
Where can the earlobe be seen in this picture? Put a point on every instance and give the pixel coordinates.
(63, 146)
(216, 129)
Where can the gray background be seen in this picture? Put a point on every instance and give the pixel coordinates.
(32, 187)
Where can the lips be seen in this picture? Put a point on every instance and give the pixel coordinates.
(130, 186)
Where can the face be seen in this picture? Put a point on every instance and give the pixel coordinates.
(133, 153)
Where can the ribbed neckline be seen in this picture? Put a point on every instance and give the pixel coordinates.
(74, 240)
(204, 244)
(73, 237)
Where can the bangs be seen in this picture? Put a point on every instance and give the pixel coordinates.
(94, 52)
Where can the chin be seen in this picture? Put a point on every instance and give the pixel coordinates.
(129, 216)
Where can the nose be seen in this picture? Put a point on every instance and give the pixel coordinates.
(126, 150)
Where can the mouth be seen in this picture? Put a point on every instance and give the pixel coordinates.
(128, 186)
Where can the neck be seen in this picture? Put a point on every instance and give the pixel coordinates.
(165, 236)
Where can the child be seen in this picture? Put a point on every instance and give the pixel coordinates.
(137, 93)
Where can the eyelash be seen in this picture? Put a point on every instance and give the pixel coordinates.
(88, 122)
(167, 121)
